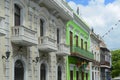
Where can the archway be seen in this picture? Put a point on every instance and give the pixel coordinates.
(18, 70)
(43, 72)
(59, 74)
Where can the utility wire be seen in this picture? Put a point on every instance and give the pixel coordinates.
(110, 30)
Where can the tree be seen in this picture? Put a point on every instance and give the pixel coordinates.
(115, 63)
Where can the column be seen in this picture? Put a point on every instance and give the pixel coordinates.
(7, 37)
(29, 52)
(52, 66)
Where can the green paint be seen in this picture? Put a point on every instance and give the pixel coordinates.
(81, 31)
(68, 69)
(85, 53)
(74, 73)
(73, 60)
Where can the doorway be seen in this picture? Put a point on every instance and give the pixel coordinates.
(43, 72)
(59, 73)
(19, 70)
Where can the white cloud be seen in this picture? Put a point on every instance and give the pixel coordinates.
(102, 17)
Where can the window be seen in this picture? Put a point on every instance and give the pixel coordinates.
(77, 75)
(59, 73)
(92, 75)
(86, 76)
(82, 75)
(43, 72)
(18, 70)
(86, 46)
(16, 15)
(76, 41)
(71, 40)
(81, 43)
(58, 35)
(41, 27)
(71, 75)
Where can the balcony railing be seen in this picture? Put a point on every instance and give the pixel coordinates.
(47, 44)
(96, 63)
(105, 64)
(83, 53)
(63, 49)
(24, 36)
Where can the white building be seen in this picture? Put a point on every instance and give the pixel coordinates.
(32, 39)
(95, 49)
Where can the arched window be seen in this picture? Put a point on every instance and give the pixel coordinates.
(58, 35)
(43, 72)
(59, 73)
(17, 12)
(42, 27)
(81, 43)
(18, 70)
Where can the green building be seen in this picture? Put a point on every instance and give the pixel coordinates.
(78, 38)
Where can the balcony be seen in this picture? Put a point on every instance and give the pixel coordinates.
(58, 8)
(96, 63)
(24, 36)
(63, 49)
(64, 5)
(82, 53)
(105, 64)
(47, 44)
(2, 27)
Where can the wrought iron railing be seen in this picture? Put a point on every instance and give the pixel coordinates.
(82, 52)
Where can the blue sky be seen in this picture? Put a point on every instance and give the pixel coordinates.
(85, 2)
(109, 1)
(101, 15)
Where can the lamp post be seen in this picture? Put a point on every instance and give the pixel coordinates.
(7, 55)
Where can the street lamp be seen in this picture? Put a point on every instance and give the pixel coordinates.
(36, 59)
(7, 55)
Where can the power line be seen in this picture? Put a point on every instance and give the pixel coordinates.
(112, 28)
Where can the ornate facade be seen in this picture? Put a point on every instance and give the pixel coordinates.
(32, 42)
(78, 38)
(95, 49)
(43, 40)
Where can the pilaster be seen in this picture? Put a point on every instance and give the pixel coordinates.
(52, 66)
